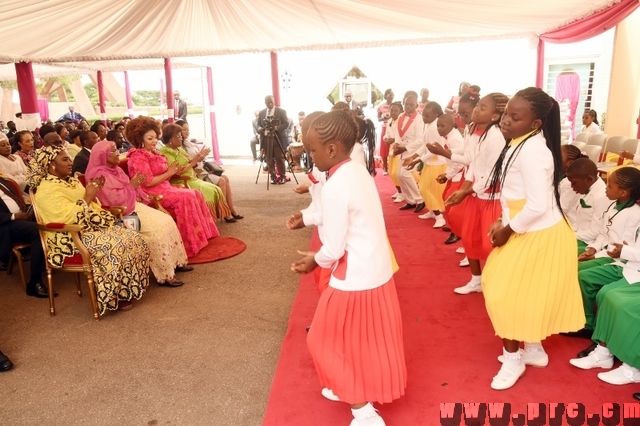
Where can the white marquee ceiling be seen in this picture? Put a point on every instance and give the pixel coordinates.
(86, 30)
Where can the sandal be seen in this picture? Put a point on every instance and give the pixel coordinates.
(174, 283)
(237, 216)
(125, 305)
(230, 219)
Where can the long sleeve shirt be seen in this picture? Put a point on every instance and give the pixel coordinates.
(590, 211)
(619, 225)
(481, 156)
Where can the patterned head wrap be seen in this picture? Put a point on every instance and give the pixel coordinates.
(39, 165)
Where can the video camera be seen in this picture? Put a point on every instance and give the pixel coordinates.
(271, 123)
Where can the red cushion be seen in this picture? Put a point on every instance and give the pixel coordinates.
(74, 260)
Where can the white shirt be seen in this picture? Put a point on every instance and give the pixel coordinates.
(454, 141)
(590, 212)
(10, 202)
(430, 135)
(617, 227)
(354, 241)
(568, 200)
(412, 138)
(530, 178)
(630, 269)
(15, 169)
(593, 128)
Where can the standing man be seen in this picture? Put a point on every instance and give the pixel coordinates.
(255, 140)
(72, 115)
(179, 107)
(272, 148)
(353, 105)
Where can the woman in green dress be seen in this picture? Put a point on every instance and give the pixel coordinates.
(175, 153)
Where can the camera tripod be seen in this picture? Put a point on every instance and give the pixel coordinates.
(272, 142)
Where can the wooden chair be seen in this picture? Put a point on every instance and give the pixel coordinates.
(583, 137)
(15, 251)
(80, 263)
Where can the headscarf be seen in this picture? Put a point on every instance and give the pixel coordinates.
(117, 189)
(39, 165)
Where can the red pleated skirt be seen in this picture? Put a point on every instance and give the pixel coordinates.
(357, 345)
(384, 148)
(321, 277)
(479, 215)
(454, 215)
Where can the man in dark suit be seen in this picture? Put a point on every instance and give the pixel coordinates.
(353, 105)
(72, 115)
(273, 149)
(179, 107)
(81, 160)
(17, 226)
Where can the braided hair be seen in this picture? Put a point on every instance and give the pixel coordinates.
(435, 107)
(626, 178)
(545, 108)
(500, 102)
(593, 114)
(338, 125)
(573, 152)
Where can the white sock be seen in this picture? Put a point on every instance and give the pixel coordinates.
(363, 413)
(530, 347)
(603, 350)
(512, 358)
(476, 279)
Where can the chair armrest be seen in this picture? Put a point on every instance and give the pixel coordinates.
(74, 230)
(117, 211)
(181, 181)
(155, 203)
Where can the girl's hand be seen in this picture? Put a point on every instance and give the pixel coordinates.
(138, 180)
(441, 178)
(294, 221)
(436, 148)
(456, 198)
(626, 154)
(588, 254)
(303, 188)
(306, 264)
(499, 234)
(399, 150)
(617, 249)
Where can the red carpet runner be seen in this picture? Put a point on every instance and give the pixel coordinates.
(218, 248)
(450, 349)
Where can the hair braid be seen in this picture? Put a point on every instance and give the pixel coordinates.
(629, 178)
(500, 102)
(573, 152)
(338, 126)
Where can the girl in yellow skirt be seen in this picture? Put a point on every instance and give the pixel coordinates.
(530, 281)
(433, 166)
(355, 338)
(389, 138)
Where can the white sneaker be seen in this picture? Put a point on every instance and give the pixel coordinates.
(440, 222)
(538, 359)
(395, 195)
(623, 375)
(399, 199)
(464, 262)
(460, 250)
(372, 421)
(328, 393)
(508, 376)
(600, 357)
(469, 287)
(366, 416)
(427, 215)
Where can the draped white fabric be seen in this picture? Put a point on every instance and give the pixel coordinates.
(87, 30)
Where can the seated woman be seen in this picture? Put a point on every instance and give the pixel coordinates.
(220, 181)
(175, 153)
(11, 165)
(192, 216)
(24, 145)
(75, 145)
(119, 257)
(157, 228)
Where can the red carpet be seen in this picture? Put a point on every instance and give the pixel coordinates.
(219, 248)
(450, 347)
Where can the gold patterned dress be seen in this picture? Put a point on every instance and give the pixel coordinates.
(119, 257)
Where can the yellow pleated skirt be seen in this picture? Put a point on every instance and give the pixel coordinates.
(393, 167)
(531, 287)
(431, 190)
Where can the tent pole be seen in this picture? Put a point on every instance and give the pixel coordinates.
(167, 75)
(212, 117)
(540, 64)
(28, 95)
(275, 82)
(162, 103)
(127, 89)
(103, 111)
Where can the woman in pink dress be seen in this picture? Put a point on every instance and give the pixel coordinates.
(187, 206)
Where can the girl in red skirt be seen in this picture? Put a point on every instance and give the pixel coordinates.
(356, 335)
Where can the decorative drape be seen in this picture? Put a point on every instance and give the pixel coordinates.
(568, 87)
(103, 110)
(212, 117)
(28, 95)
(127, 89)
(167, 75)
(582, 29)
(275, 78)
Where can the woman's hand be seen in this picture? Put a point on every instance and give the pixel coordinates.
(442, 178)
(456, 198)
(138, 180)
(627, 154)
(175, 169)
(306, 264)
(588, 254)
(303, 188)
(617, 249)
(499, 234)
(294, 221)
(203, 154)
(92, 189)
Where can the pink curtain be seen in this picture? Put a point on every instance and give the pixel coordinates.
(43, 106)
(275, 79)
(585, 28)
(568, 87)
(26, 88)
(127, 89)
(167, 75)
(103, 111)
(212, 117)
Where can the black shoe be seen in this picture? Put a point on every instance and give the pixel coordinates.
(584, 333)
(184, 268)
(3, 267)
(453, 238)
(587, 351)
(419, 207)
(281, 181)
(408, 206)
(175, 283)
(637, 396)
(237, 216)
(446, 229)
(274, 181)
(5, 362)
(40, 291)
(230, 219)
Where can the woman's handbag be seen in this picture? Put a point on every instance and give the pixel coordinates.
(213, 168)
(131, 221)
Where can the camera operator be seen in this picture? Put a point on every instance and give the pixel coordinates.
(272, 121)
